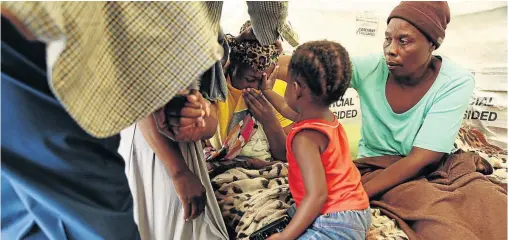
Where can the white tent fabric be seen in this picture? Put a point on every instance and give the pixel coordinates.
(476, 38)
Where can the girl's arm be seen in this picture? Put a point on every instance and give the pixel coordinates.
(307, 146)
(280, 105)
(275, 99)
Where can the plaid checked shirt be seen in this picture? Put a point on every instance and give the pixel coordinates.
(120, 61)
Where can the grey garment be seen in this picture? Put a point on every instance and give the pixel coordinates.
(157, 210)
(213, 83)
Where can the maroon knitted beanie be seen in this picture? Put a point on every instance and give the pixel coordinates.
(429, 17)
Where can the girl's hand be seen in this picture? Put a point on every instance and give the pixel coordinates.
(268, 83)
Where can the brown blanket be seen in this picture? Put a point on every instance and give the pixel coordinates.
(455, 201)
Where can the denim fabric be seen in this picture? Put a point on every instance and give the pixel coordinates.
(57, 181)
(352, 224)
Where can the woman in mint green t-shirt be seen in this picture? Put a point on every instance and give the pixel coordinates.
(412, 102)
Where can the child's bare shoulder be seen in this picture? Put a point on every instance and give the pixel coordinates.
(309, 137)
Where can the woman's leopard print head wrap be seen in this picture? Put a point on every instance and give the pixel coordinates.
(252, 53)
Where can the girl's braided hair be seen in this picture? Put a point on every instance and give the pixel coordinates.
(325, 68)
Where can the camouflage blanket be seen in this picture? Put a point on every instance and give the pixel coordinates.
(252, 198)
(471, 139)
(384, 228)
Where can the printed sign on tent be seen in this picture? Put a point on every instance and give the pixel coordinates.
(366, 23)
(347, 110)
(487, 110)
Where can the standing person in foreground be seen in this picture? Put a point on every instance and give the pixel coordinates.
(330, 200)
(74, 74)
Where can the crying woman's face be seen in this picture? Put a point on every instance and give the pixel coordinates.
(244, 76)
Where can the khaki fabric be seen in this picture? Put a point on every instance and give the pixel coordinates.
(121, 61)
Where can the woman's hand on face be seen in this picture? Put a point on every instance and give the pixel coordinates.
(188, 123)
(260, 108)
(268, 82)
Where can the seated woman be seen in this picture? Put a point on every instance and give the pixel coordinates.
(243, 148)
(415, 100)
(412, 105)
(249, 63)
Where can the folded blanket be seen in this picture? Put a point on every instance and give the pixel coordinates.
(453, 202)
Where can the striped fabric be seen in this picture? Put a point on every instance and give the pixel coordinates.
(272, 14)
(121, 61)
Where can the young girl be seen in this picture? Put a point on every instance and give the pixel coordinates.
(330, 200)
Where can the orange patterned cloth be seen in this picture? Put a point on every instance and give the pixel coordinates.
(236, 139)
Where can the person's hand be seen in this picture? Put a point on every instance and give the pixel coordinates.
(187, 122)
(260, 108)
(248, 35)
(277, 236)
(255, 163)
(483, 166)
(268, 83)
(191, 193)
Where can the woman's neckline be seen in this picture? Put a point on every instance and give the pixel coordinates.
(385, 99)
